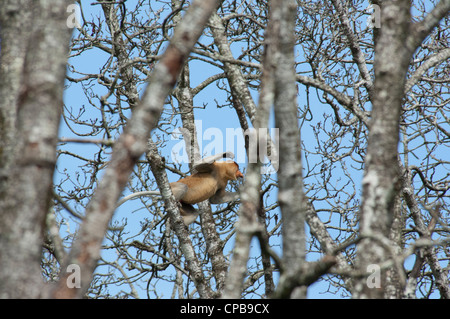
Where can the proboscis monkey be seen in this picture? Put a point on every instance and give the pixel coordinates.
(209, 182)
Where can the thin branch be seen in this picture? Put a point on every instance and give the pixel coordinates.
(131, 145)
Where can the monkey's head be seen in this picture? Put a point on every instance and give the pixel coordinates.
(232, 171)
(238, 173)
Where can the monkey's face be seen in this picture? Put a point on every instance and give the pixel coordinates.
(230, 170)
(237, 173)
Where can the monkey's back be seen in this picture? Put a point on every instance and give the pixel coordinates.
(201, 186)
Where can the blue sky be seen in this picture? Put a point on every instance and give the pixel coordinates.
(212, 132)
(212, 125)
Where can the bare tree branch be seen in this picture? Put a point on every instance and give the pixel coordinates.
(131, 145)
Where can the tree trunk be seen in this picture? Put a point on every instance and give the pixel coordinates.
(381, 175)
(35, 41)
(290, 196)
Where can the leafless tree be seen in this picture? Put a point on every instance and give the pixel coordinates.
(359, 203)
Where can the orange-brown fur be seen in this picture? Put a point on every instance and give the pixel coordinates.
(204, 185)
(208, 183)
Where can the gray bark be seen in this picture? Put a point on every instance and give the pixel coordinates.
(35, 41)
(132, 144)
(396, 42)
(290, 195)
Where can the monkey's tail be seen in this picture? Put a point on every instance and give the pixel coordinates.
(137, 194)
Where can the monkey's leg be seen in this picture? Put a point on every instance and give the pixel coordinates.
(189, 213)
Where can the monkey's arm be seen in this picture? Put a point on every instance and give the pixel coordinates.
(223, 197)
(204, 166)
